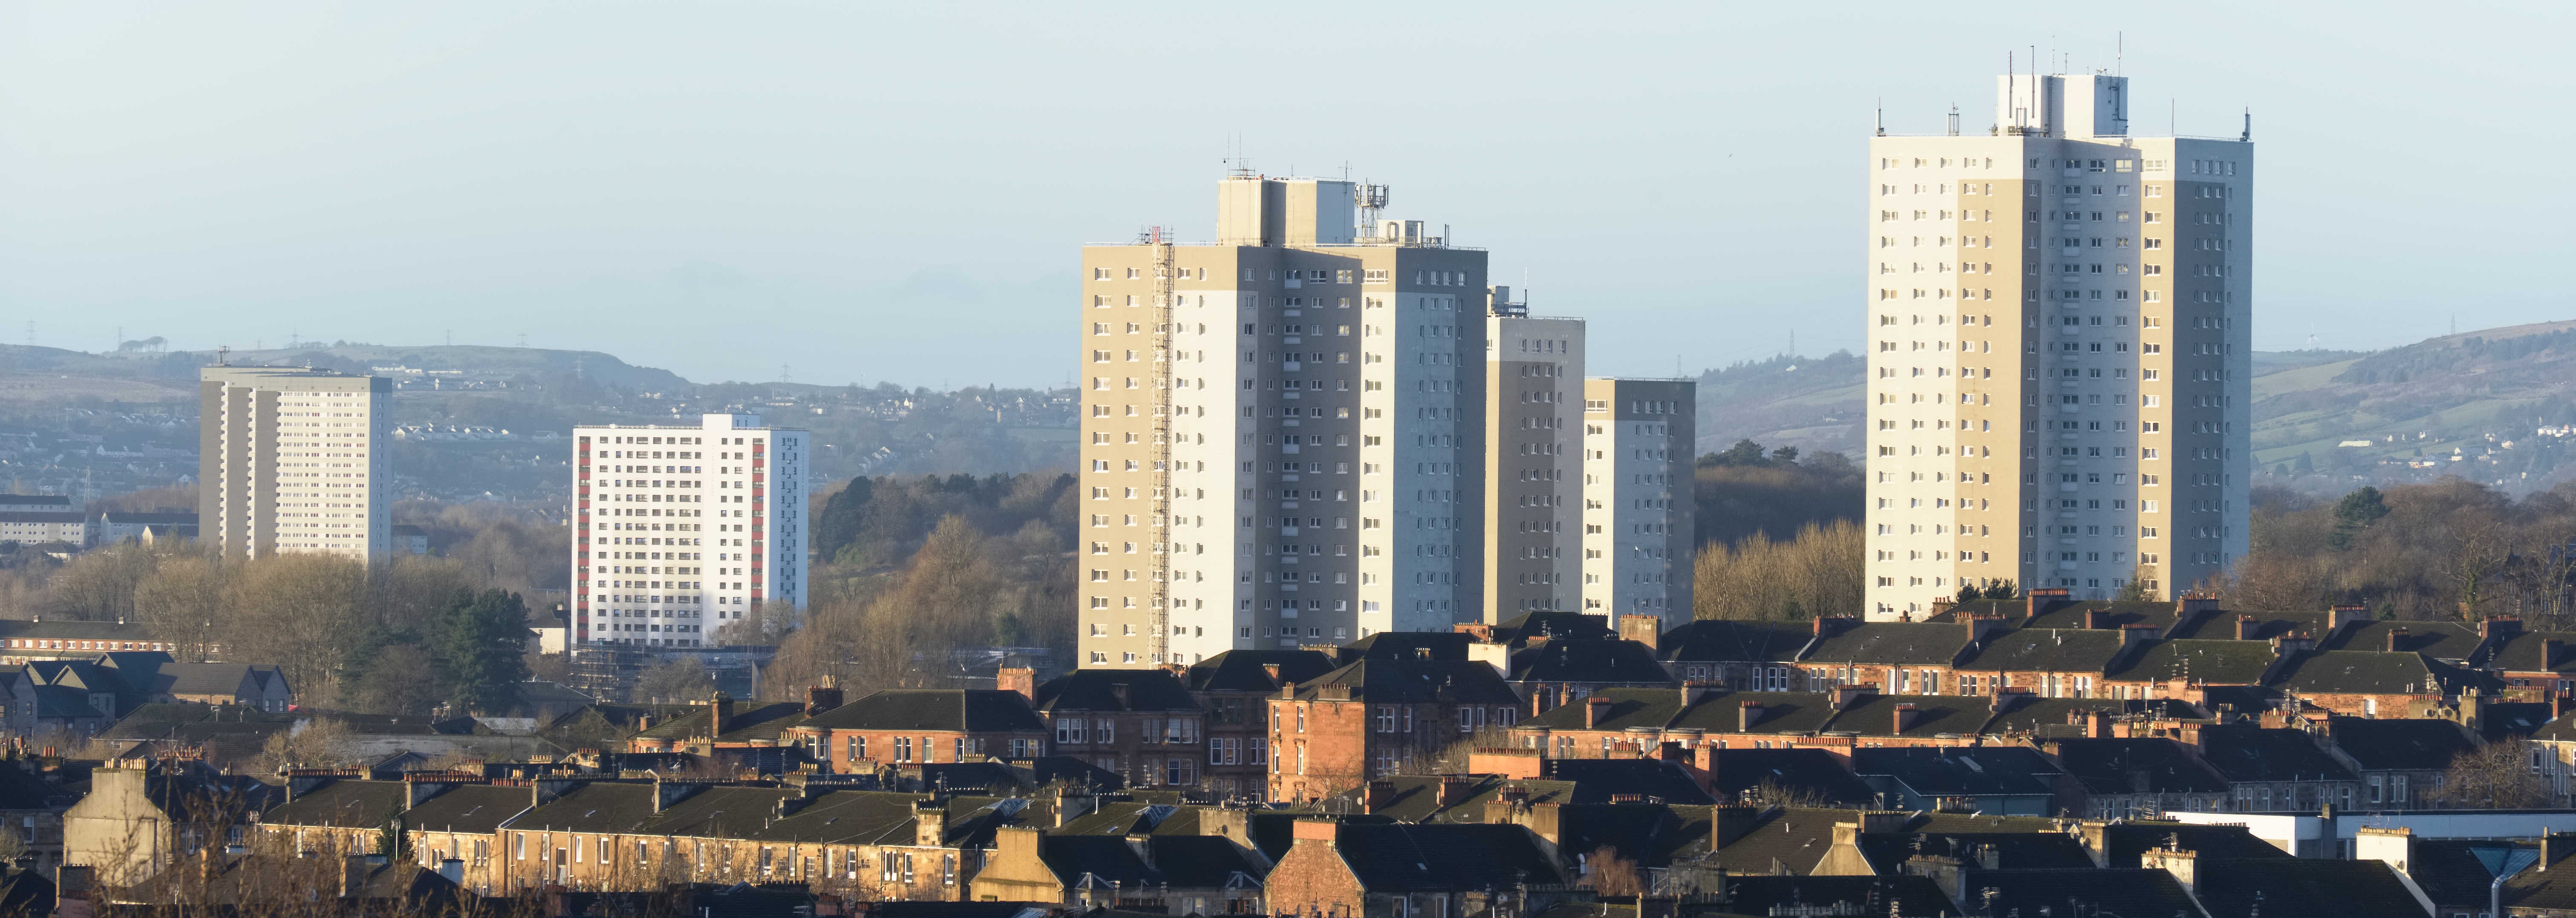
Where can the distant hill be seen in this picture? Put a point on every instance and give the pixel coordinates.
(2467, 395)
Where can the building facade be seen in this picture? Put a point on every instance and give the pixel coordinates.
(1640, 521)
(1281, 430)
(678, 530)
(2059, 376)
(1534, 472)
(291, 459)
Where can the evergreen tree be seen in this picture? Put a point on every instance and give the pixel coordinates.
(2355, 513)
(481, 642)
(837, 527)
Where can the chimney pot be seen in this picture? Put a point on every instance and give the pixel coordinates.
(1018, 679)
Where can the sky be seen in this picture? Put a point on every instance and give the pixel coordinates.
(841, 192)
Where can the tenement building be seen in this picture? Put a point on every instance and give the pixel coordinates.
(2059, 372)
(1640, 523)
(1282, 430)
(290, 459)
(678, 530)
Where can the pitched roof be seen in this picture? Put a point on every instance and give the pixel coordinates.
(347, 804)
(2118, 765)
(2512, 718)
(2268, 754)
(1947, 772)
(2047, 649)
(1394, 681)
(1588, 661)
(855, 817)
(1417, 797)
(2267, 625)
(1660, 780)
(1395, 858)
(1115, 690)
(2213, 662)
(1187, 861)
(2300, 887)
(747, 722)
(2544, 888)
(2123, 840)
(1714, 711)
(954, 710)
(2449, 870)
(2411, 744)
(2063, 717)
(1561, 625)
(2108, 891)
(477, 809)
(1876, 715)
(1405, 645)
(2329, 672)
(1801, 773)
(2521, 653)
(1890, 643)
(2439, 640)
(1248, 670)
(1888, 851)
(1643, 832)
(2108, 614)
(1712, 640)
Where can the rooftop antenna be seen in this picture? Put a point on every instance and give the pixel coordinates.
(2120, 54)
(222, 352)
(1954, 119)
(2248, 136)
(1882, 116)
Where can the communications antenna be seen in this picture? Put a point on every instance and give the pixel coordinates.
(1372, 201)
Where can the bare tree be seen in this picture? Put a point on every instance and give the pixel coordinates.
(1614, 874)
(2499, 776)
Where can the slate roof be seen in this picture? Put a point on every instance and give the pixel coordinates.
(2124, 839)
(1795, 838)
(1556, 625)
(1712, 640)
(1417, 797)
(1463, 681)
(1802, 773)
(2327, 672)
(2111, 892)
(2439, 640)
(2114, 765)
(65, 629)
(1397, 858)
(1890, 644)
(1713, 711)
(477, 809)
(2449, 872)
(22, 790)
(1960, 772)
(854, 817)
(1246, 670)
(1405, 645)
(2213, 662)
(2048, 650)
(1662, 781)
(1099, 690)
(952, 710)
(1588, 661)
(1646, 833)
(2412, 744)
(1875, 715)
(2221, 625)
(2115, 614)
(2521, 653)
(627, 808)
(1185, 861)
(2537, 888)
(346, 804)
(747, 722)
(1883, 895)
(2062, 717)
(1888, 851)
(2301, 887)
(1121, 819)
(2275, 754)
(2512, 718)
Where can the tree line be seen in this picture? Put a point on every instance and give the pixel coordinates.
(2448, 549)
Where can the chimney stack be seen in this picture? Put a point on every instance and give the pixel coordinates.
(2500, 626)
(717, 713)
(1595, 710)
(2396, 640)
(1752, 715)
(1379, 795)
(1024, 681)
(1905, 717)
(1455, 789)
(2246, 627)
(1643, 629)
(821, 698)
(2550, 649)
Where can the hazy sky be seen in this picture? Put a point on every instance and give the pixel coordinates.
(868, 192)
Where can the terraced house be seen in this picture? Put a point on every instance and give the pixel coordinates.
(900, 727)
